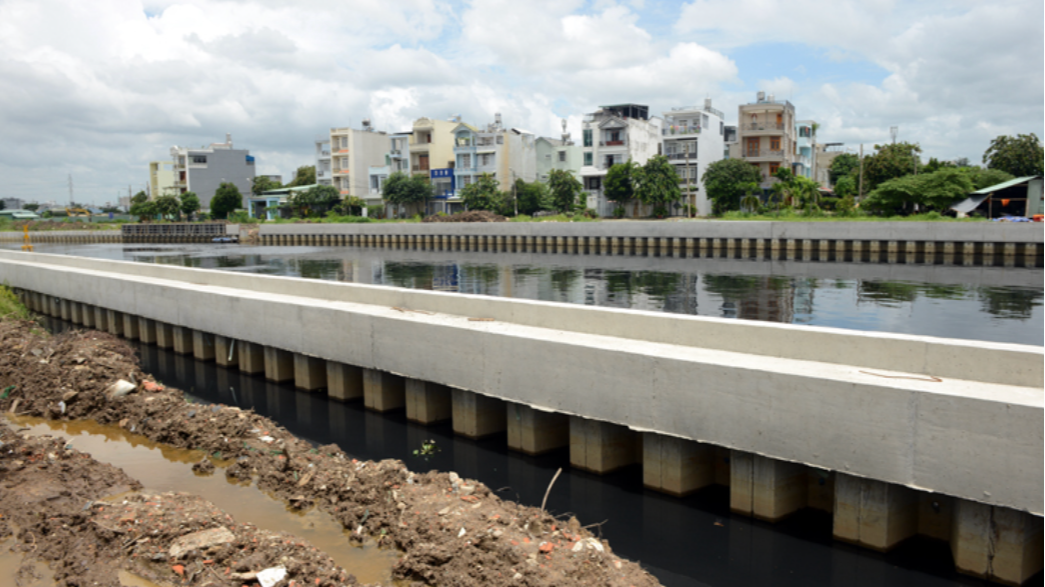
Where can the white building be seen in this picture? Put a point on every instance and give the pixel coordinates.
(203, 170)
(323, 174)
(397, 159)
(352, 153)
(692, 139)
(562, 154)
(612, 135)
(507, 154)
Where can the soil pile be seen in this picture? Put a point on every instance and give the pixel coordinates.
(453, 531)
(56, 496)
(470, 216)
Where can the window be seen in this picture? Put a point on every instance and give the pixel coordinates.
(773, 167)
(562, 156)
(465, 180)
(500, 139)
(608, 161)
(774, 144)
(587, 159)
(199, 159)
(587, 137)
(342, 142)
(486, 159)
(466, 160)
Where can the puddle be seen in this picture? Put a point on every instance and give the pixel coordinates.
(131, 580)
(10, 562)
(160, 467)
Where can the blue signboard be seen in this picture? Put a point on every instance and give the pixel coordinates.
(443, 174)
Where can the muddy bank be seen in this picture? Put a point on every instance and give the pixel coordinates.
(452, 531)
(65, 509)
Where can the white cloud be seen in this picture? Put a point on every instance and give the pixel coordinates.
(99, 88)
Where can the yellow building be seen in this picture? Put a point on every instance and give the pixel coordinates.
(432, 145)
(161, 179)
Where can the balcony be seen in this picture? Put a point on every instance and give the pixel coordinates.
(681, 156)
(763, 126)
(618, 143)
(680, 130)
(420, 169)
(763, 154)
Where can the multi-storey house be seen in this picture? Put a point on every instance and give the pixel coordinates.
(767, 135)
(203, 170)
(612, 135)
(352, 153)
(692, 139)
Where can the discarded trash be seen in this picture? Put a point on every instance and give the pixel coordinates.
(269, 577)
(61, 405)
(461, 533)
(119, 389)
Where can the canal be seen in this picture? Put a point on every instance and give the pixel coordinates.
(996, 304)
(685, 542)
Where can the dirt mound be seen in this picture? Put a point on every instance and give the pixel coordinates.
(453, 531)
(67, 519)
(470, 216)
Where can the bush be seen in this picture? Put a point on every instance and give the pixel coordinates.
(619, 212)
(375, 211)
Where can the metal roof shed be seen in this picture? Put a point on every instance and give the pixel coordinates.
(1017, 197)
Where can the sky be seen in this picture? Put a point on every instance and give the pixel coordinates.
(98, 89)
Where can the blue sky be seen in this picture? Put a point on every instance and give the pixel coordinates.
(101, 101)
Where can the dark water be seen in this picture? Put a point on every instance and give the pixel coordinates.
(684, 542)
(978, 303)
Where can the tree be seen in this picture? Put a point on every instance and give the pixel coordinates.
(167, 206)
(935, 165)
(929, 191)
(403, 190)
(305, 175)
(144, 210)
(727, 180)
(31, 207)
(889, 162)
(983, 178)
(846, 186)
(481, 194)
(533, 197)
(139, 197)
(844, 165)
(1021, 155)
(3, 206)
(263, 184)
(564, 188)
(658, 185)
(190, 204)
(314, 201)
(619, 183)
(226, 199)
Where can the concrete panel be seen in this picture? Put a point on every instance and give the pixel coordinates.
(427, 402)
(344, 382)
(676, 466)
(601, 447)
(310, 373)
(225, 352)
(101, 319)
(996, 543)
(476, 415)
(765, 488)
(251, 357)
(147, 330)
(164, 335)
(130, 326)
(534, 431)
(383, 391)
(202, 345)
(874, 514)
(279, 365)
(183, 340)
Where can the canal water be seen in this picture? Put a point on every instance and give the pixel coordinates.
(685, 542)
(995, 304)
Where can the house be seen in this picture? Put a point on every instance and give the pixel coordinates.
(766, 135)
(804, 164)
(397, 160)
(352, 153)
(1017, 197)
(161, 179)
(693, 138)
(203, 170)
(562, 154)
(507, 154)
(267, 203)
(323, 170)
(612, 135)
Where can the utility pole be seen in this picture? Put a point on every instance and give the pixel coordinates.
(689, 194)
(860, 190)
(70, 190)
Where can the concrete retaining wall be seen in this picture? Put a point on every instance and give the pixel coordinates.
(64, 236)
(795, 394)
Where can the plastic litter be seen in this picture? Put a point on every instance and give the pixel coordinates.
(119, 389)
(269, 577)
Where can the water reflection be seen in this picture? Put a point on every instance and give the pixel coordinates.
(694, 541)
(979, 303)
